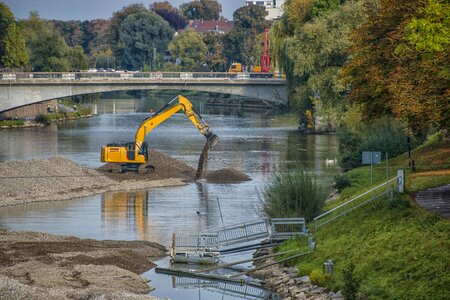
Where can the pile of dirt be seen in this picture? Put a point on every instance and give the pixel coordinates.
(57, 267)
(227, 175)
(58, 178)
(165, 167)
(168, 167)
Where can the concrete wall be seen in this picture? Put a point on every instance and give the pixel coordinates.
(30, 110)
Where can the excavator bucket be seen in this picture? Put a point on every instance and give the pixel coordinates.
(213, 139)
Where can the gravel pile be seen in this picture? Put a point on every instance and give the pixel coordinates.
(39, 178)
(226, 175)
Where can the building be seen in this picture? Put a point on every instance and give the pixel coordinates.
(220, 26)
(274, 8)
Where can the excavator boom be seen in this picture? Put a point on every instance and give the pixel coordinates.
(134, 155)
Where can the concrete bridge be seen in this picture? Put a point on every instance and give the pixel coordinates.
(20, 89)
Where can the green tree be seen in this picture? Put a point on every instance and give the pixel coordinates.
(202, 10)
(190, 49)
(169, 13)
(215, 59)
(47, 49)
(243, 42)
(115, 23)
(142, 34)
(77, 59)
(13, 53)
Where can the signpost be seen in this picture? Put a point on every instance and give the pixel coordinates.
(371, 157)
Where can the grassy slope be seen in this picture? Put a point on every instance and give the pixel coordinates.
(400, 251)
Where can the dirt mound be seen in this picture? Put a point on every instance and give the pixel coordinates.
(40, 178)
(58, 267)
(226, 175)
(165, 167)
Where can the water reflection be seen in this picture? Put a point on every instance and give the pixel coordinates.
(126, 209)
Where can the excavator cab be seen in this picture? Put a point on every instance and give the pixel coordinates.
(133, 156)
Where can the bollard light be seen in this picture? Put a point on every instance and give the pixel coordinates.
(328, 267)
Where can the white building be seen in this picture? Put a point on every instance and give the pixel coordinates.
(274, 8)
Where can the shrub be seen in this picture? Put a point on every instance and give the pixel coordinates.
(292, 194)
(351, 283)
(11, 122)
(42, 119)
(341, 181)
(317, 277)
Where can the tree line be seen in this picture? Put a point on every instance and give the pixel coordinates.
(134, 38)
(377, 71)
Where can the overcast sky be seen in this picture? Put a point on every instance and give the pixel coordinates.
(92, 9)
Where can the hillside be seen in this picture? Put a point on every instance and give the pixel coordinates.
(399, 250)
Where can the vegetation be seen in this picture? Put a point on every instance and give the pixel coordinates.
(190, 49)
(13, 53)
(202, 10)
(397, 249)
(11, 123)
(46, 119)
(291, 194)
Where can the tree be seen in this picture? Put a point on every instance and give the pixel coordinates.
(142, 33)
(251, 17)
(202, 10)
(215, 59)
(77, 59)
(169, 13)
(47, 49)
(243, 43)
(13, 53)
(400, 67)
(190, 49)
(115, 23)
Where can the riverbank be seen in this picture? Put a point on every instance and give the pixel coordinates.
(43, 266)
(388, 249)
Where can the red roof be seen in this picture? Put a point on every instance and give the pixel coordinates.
(222, 26)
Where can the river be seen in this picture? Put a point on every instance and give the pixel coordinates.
(249, 142)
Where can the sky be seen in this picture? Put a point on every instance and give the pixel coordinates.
(93, 9)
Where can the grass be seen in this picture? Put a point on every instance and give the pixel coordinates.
(11, 123)
(399, 250)
(81, 111)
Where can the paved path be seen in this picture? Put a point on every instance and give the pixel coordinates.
(436, 200)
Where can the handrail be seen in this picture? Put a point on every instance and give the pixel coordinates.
(357, 197)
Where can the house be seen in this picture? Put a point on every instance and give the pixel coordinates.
(221, 26)
(274, 8)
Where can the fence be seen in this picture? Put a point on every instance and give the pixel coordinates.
(386, 189)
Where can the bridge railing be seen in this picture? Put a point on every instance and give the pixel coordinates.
(136, 75)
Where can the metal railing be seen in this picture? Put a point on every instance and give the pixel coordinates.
(383, 190)
(122, 75)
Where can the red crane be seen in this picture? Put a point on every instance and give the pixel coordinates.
(265, 59)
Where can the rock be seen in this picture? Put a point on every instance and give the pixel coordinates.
(303, 279)
(301, 296)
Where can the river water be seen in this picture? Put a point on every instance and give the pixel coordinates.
(249, 142)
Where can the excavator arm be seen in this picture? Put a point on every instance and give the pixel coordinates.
(177, 104)
(134, 155)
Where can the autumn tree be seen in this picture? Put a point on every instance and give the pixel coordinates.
(142, 34)
(202, 10)
(169, 13)
(13, 53)
(400, 63)
(190, 49)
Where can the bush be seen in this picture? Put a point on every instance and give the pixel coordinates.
(351, 283)
(384, 135)
(42, 119)
(293, 194)
(12, 123)
(341, 181)
(317, 277)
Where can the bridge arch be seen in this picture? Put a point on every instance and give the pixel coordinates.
(20, 92)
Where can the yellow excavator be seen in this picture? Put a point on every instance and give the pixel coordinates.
(133, 156)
